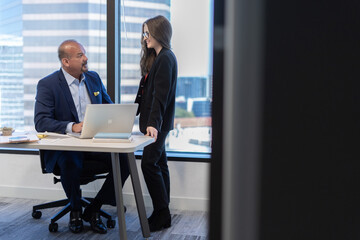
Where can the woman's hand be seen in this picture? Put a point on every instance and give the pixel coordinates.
(152, 132)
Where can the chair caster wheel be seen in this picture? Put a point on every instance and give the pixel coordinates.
(111, 223)
(36, 214)
(53, 227)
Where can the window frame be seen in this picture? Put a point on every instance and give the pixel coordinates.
(171, 156)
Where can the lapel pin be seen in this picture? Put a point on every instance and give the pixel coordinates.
(96, 93)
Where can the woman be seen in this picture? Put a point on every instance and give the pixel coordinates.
(156, 99)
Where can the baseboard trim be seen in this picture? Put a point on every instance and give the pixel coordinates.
(178, 203)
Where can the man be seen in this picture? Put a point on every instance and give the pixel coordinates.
(60, 105)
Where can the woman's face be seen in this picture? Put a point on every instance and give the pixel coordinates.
(148, 39)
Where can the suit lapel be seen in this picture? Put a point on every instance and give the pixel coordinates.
(150, 75)
(152, 69)
(65, 89)
(91, 90)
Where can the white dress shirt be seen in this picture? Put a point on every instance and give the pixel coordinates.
(79, 94)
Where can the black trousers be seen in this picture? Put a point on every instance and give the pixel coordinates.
(156, 172)
(75, 165)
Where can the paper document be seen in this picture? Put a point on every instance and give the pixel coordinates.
(53, 134)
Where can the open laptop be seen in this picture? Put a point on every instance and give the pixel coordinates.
(108, 120)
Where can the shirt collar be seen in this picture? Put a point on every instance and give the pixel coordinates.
(70, 79)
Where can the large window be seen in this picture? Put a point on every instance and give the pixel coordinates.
(30, 32)
(192, 45)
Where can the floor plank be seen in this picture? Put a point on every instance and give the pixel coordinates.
(16, 222)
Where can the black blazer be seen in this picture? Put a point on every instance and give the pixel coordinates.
(156, 96)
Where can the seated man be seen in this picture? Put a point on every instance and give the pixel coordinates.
(60, 105)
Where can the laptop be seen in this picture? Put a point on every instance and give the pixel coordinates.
(108, 121)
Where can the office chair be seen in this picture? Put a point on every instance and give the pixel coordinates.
(53, 226)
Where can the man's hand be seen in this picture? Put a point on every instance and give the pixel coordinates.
(77, 127)
(152, 132)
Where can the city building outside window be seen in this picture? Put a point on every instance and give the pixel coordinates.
(31, 31)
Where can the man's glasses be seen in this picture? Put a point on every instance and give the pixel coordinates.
(146, 35)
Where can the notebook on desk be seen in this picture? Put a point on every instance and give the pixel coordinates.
(108, 121)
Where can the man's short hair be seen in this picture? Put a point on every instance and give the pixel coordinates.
(61, 50)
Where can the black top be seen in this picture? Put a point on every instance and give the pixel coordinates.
(156, 95)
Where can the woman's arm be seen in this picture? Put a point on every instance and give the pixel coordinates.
(162, 85)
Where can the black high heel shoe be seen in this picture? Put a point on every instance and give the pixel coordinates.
(152, 217)
(159, 220)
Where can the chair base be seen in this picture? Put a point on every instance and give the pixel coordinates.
(65, 202)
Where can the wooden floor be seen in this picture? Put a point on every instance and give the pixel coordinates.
(17, 223)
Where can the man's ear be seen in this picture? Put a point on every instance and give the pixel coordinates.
(65, 62)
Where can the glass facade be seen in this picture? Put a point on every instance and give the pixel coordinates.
(11, 62)
(47, 23)
(31, 31)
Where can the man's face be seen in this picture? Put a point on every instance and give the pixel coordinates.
(77, 62)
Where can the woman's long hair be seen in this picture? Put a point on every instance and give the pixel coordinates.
(160, 29)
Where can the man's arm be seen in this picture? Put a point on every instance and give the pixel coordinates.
(45, 110)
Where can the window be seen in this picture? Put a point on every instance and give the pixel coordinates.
(192, 45)
(30, 32)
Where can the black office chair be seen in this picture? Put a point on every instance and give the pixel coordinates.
(53, 226)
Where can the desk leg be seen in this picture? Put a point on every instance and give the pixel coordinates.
(138, 195)
(118, 194)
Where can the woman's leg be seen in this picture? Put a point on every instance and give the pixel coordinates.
(154, 168)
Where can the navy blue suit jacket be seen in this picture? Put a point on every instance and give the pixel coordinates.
(55, 108)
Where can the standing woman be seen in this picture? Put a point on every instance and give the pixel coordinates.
(156, 99)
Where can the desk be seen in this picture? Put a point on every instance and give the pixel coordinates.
(86, 145)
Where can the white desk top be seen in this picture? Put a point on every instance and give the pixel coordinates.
(86, 145)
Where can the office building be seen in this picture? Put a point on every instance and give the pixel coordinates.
(42, 25)
(11, 61)
(45, 25)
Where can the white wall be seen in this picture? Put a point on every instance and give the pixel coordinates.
(21, 177)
